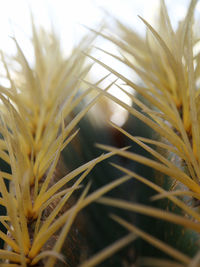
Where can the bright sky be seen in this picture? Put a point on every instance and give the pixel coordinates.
(67, 17)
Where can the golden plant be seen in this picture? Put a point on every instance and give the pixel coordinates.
(167, 62)
(39, 115)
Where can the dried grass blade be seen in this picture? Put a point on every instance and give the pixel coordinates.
(174, 173)
(154, 241)
(153, 212)
(109, 251)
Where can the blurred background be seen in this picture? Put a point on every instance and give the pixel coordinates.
(68, 15)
